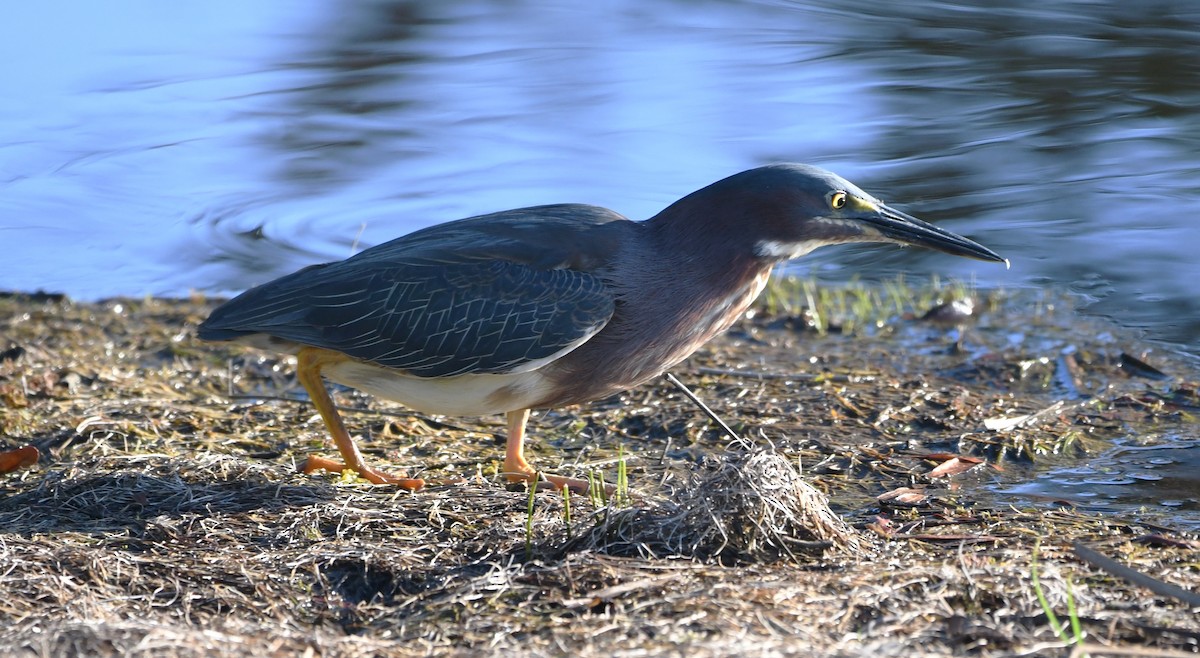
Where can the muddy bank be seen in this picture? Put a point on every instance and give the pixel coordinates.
(165, 515)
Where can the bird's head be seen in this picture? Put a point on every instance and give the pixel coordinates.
(784, 211)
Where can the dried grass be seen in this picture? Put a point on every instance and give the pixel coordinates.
(166, 517)
(751, 506)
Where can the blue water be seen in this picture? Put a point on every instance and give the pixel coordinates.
(1149, 478)
(157, 148)
(154, 148)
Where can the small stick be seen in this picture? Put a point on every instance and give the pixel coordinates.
(1096, 559)
(704, 407)
(751, 374)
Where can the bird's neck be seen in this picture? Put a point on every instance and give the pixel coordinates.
(698, 287)
(671, 299)
(705, 246)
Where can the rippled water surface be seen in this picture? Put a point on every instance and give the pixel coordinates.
(1157, 478)
(156, 148)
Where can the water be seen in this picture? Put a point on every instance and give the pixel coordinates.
(158, 148)
(1151, 478)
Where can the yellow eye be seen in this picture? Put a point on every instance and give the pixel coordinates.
(837, 200)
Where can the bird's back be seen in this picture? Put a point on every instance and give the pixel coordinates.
(485, 294)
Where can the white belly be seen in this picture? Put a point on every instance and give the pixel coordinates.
(461, 395)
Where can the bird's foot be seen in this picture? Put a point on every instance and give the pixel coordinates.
(558, 482)
(313, 464)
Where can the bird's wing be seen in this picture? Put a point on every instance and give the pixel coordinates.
(429, 319)
(449, 309)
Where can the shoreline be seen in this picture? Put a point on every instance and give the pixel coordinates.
(166, 510)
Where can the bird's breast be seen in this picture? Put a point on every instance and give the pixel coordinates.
(649, 333)
(730, 309)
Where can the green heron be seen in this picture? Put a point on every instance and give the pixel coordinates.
(551, 305)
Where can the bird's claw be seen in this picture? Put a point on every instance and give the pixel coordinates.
(314, 464)
(549, 482)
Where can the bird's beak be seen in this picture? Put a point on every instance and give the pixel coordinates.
(895, 226)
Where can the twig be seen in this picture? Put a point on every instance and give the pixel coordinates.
(752, 374)
(704, 407)
(609, 593)
(1097, 649)
(1096, 559)
(795, 376)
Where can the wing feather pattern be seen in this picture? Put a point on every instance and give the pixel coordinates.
(429, 319)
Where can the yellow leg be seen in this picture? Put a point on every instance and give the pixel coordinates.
(516, 469)
(310, 361)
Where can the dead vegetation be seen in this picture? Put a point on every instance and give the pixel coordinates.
(165, 516)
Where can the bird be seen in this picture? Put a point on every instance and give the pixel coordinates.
(551, 305)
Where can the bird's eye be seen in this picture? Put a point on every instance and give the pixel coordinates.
(837, 200)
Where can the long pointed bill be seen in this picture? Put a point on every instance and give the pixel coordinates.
(896, 226)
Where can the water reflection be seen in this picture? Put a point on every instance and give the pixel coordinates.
(212, 147)
(1158, 477)
(1057, 131)
(1065, 123)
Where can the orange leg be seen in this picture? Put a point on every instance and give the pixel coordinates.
(516, 469)
(310, 362)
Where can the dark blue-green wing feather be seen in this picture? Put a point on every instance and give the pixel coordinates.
(444, 301)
